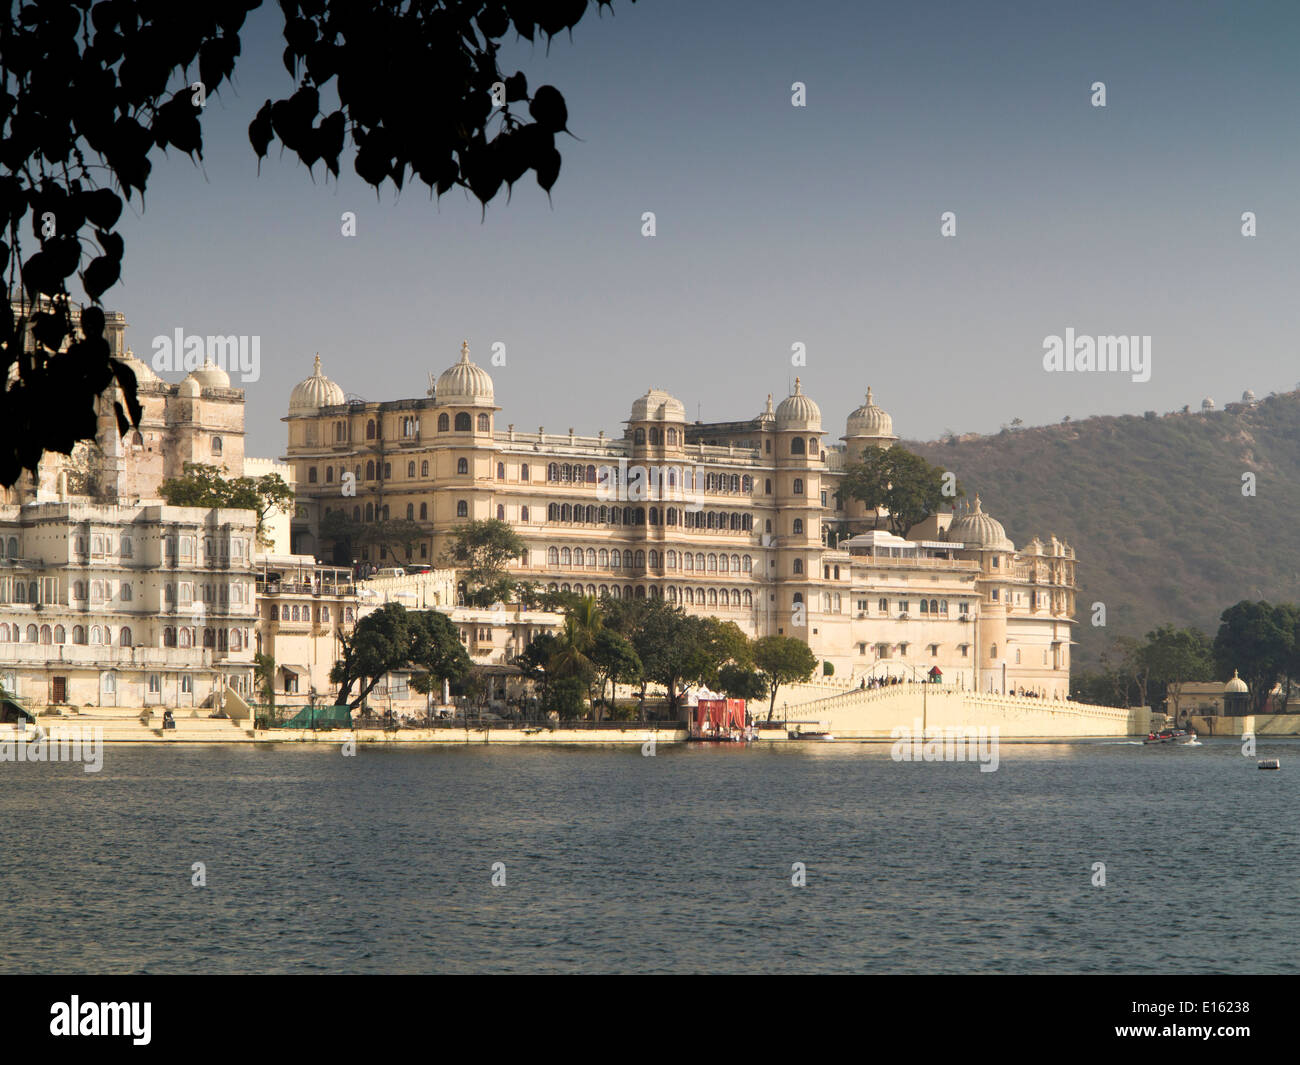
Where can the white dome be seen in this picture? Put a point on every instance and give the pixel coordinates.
(658, 406)
(1248, 396)
(189, 388)
(144, 374)
(1207, 404)
(465, 384)
(210, 375)
(768, 417)
(869, 420)
(797, 411)
(1236, 685)
(315, 392)
(980, 531)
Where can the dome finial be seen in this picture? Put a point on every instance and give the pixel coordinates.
(464, 351)
(769, 403)
(316, 369)
(796, 387)
(978, 508)
(870, 401)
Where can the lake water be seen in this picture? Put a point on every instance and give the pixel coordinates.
(675, 863)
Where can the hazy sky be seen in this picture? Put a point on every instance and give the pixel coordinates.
(779, 225)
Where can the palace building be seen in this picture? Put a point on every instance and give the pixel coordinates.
(741, 520)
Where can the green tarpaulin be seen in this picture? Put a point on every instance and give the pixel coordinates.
(320, 717)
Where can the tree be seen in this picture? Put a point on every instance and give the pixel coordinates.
(201, 485)
(741, 683)
(481, 550)
(903, 484)
(392, 638)
(782, 660)
(535, 659)
(337, 528)
(397, 536)
(264, 669)
(1175, 656)
(615, 661)
(89, 91)
(1258, 640)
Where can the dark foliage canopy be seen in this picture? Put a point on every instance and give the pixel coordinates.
(90, 92)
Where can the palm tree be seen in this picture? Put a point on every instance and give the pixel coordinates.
(582, 622)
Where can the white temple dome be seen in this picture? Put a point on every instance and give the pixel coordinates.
(210, 375)
(315, 392)
(658, 406)
(465, 384)
(869, 420)
(980, 531)
(1236, 685)
(797, 411)
(144, 374)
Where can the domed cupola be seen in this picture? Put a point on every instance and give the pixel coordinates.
(464, 385)
(210, 375)
(979, 531)
(869, 422)
(144, 374)
(1235, 686)
(797, 411)
(315, 392)
(767, 419)
(658, 406)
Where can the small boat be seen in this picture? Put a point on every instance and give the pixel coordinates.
(1170, 735)
(824, 736)
(1270, 763)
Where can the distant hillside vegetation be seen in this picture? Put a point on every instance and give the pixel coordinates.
(1153, 506)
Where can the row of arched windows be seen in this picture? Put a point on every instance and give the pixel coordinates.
(217, 639)
(719, 598)
(655, 436)
(57, 634)
(671, 560)
(298, 613)
(9, 548)
(577, 514)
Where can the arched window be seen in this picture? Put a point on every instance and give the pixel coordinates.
(749, 597)
(462, 509)
(463, 423)
(444, 423)
(370, 512)
(311, 475)
(747, 484)
(798, 486)
(566, 557)
(796, 446)
(638, 436)
(604, 558)
(462, 465)
(672, 436)
(501, 471)
(627, 559)
(60, 634)
(79, 634)
(47, 634)
(523, 472)
(798, 565)
(591, 558)
(410, 469)
(329, 474)
(370, 470)
(654, 559)
(127, 547)
(125, 638)
(484, 423)
(798, 525)
(370, 429)
(553, 556)
(748, 564)
(216, 445)
(410, 511)
(523, 514)
(424, 468)
(388, 470)
(385, 512)
(501, 512)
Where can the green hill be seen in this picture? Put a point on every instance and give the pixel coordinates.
(1153, 506)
